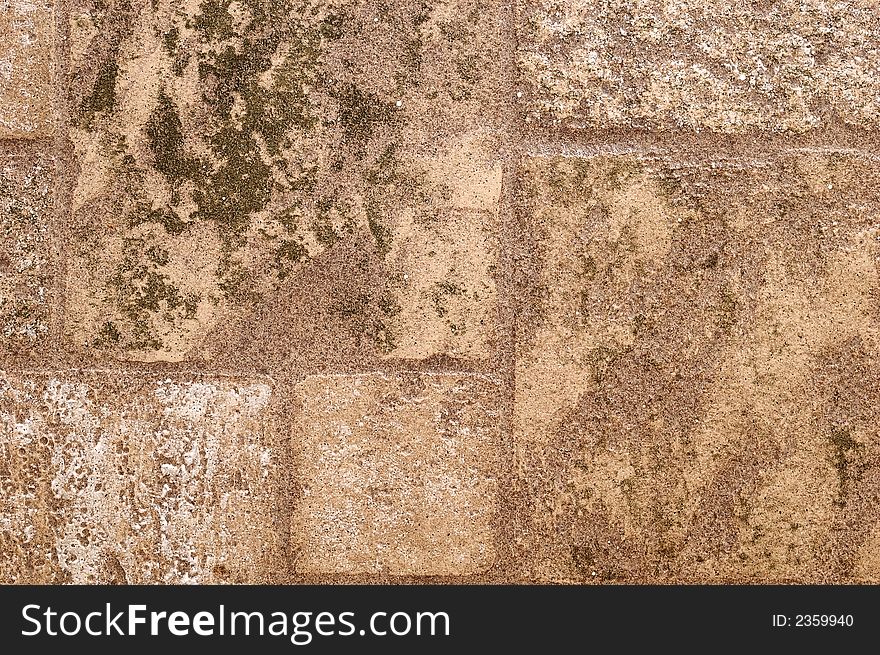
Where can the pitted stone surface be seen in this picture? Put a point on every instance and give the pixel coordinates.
(137, 480)
(398, 474)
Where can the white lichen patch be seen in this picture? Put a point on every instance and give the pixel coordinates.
(148, 481)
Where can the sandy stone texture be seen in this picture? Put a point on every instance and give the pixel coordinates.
(398, 474)
(139, 480)
(26, 68)
(26, 206)
(272, 183)
(789, 65)
(697, 370)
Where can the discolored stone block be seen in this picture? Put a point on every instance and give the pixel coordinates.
(398, 474)
(700, 64)
(26, 204)
(27, 28)
(239, 160)
(697, 378)
(138, 480)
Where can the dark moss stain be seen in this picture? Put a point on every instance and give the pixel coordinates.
(380, 233)
(103, 96)
(236, 283)
(601, 361)
(360, 113)
(288, 254)
(332, 27)
(728, 309)
(364, 312)
(671, 185)
(170, 40)
(385, 169)
(108, 335)
(846, 454)
(214, 19)
(596, 561)
(588, 266)
(440, 294)
(165, 134)
(179, 56)
(411, 63)
(352, 306)
(167, 218)
(569, 182)
(322, 226)
(389, 306)
(258, 80)
(241, 184)
(143, 293)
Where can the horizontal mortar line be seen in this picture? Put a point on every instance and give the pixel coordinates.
(29, 141)
(49, 370)
(710, 153)
(273, 379)
(830, 150)
(540, 140)
(563, 149)
(433, 373)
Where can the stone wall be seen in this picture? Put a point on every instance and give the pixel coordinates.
(563, 291)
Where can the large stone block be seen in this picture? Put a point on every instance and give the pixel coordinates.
(700, 64)
(697, 379)
(259, 169)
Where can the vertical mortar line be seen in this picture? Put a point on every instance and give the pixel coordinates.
(281, 422)
(508, 501)
(510, 153)
(63, 186)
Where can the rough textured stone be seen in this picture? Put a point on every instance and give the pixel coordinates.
(697, 378)
(398, 474)
(127, 479)
(25, 215)
(27, 28)
(789, 65)
(263, 168)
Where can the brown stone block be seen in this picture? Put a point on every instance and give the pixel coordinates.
(139, 480)
(27, 33)
(245, 160)
(700, 64)
(26, 205)
(697, 378)
(398, 474)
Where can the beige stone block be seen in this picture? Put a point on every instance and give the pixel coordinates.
(697, 375)
(398, 474)
(296, 179)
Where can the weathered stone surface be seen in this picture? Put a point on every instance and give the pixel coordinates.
(128, 479)
(398, 474)
(27, 28)
(25, 214)
(700, 64)
(697, 377)
(319, 163)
